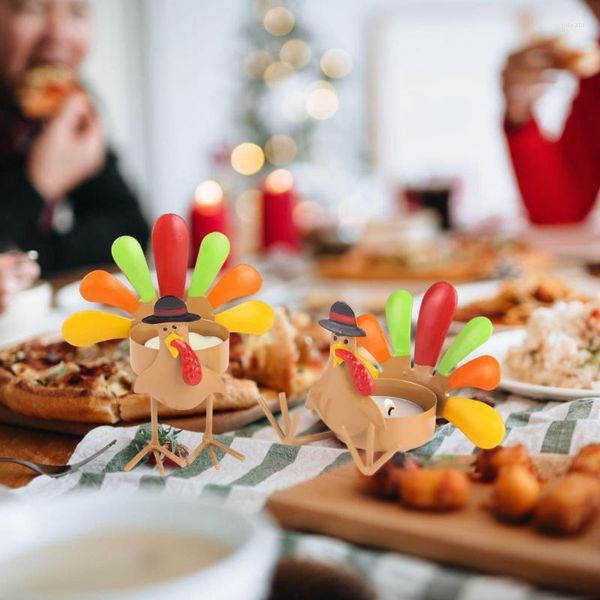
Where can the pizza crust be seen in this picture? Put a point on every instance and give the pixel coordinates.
(65, 404)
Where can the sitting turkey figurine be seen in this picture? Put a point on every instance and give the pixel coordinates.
(390, 403)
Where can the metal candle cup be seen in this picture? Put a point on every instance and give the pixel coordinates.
(215, 357)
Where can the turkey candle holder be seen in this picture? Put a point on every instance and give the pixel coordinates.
(179, 349)
(391, 403)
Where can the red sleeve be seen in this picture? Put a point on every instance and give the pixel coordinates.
(558, 180)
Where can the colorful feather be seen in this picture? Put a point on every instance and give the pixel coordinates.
(252, 317)
(104, 288)
(239, 282)
(89, 327)
(398, 315)
(435, 316)
(212, 254)
(171, 245)
(482, 372)
(482, 424)
(475, 333)
(375, 341)
(129, 257)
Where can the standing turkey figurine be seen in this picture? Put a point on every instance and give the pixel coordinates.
(392, 406)
(179, 349)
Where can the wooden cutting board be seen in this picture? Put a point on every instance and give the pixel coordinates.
(334, 504)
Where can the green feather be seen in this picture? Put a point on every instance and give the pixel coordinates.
(475, 333)
(212, 254)
(129, 257)
(398, 314)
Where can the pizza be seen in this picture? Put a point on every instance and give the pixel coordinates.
(47, 378)
(43, 90)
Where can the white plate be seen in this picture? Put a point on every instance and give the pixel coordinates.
(498, 346)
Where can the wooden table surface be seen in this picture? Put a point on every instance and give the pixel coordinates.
(39, 446)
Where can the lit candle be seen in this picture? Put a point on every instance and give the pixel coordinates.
(208, 214)
(278, 201)
(397, 407)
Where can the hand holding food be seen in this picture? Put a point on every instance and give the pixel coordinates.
(70, 149)
(529, 72)
(43, 90)
(17, 272)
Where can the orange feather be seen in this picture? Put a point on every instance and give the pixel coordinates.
(100, 286)
(375, 341)
(239, 282)
(482, 372)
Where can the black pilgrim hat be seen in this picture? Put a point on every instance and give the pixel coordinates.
(170, 309)
(342, 321)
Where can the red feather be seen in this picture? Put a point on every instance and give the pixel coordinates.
(435, 315)
(171, 245)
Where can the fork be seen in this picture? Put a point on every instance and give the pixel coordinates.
(56, 470)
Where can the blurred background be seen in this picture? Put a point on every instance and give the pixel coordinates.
(358, 100)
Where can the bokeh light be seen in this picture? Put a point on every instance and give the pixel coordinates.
(322, 102)
(336, 63)
(247, 158)
(247, 205)
(277, 72)
(279, 181)
(309, 215)
(256, 63)
(208, 193)
(279, 21)
(296, 53)
(280, 149)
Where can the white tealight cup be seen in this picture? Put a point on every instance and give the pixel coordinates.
(197, 341)
(397, 407)
(235, 553)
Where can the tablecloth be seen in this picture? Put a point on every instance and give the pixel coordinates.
(556, 427)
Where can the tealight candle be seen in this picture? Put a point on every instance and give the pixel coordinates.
(397, 407)
(196, 340)
(208, 214)
(279, 200)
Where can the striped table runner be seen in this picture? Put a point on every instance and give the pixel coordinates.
(270, 465)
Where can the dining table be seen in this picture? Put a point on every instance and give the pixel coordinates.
(541, 426)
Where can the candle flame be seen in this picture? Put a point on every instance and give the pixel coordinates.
(279, 181)
(208, 193)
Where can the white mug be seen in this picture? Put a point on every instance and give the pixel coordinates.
(247, 547)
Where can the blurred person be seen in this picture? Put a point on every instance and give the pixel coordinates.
(61, 193)
(558, 179)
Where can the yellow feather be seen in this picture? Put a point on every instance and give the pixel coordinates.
(253, 317)
(89, 327)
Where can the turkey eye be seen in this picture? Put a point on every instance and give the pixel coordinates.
(335, 338)
(164, 328)
(345, 340)
(174, 326)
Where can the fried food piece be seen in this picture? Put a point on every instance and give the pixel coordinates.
(587, 460)
(385, 482)
(433, 488)
(43, 90)
(489, 462)
(568, 504)
(516, 493)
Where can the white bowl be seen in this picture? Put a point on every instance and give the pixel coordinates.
(30, 525)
